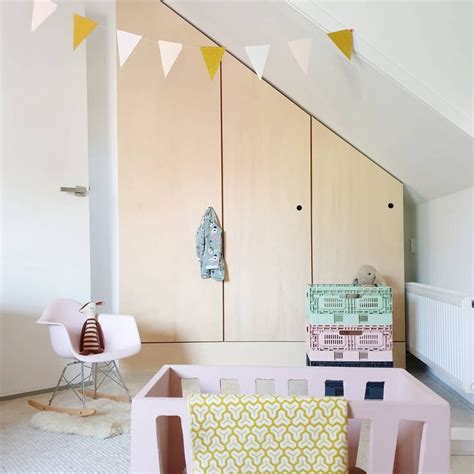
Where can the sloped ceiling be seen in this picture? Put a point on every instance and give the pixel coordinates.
(380, 107)
(425, 46)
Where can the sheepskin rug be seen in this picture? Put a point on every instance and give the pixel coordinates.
(111, 419)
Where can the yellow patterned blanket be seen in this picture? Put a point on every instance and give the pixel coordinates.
(264, 433)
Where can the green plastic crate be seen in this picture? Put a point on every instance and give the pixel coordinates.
(349, 304)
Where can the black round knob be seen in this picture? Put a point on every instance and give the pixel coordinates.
(299, 207)
(390, 205)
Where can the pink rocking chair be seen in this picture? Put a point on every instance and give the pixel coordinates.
(121, 340)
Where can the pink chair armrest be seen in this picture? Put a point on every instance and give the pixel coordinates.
(121, 334)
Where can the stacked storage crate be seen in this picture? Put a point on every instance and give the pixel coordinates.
(349, 325)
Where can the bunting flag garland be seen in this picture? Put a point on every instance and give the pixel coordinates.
(83, 27)
(42, 9)
(212, 56)
(126, 42)
(169, 52)
(301, 50)
(258, 57)
(343, 40)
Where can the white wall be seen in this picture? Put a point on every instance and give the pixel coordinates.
(409, 221)
(58, 128)
(444, 242)
(44, 232)
(102, 135)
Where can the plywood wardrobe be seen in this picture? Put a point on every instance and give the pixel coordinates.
(357, 218)
(267, 210)
(297, 204)
(169, 173)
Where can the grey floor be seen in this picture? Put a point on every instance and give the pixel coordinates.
(462, 415)
(25, 450)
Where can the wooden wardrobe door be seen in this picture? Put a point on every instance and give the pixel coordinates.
(169, 173)
(354, 222)
(266, 170)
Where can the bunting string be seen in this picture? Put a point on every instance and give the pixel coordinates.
(169, 51)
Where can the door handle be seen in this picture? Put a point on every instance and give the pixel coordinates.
(76, 190)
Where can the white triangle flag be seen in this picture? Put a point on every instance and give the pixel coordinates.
(126, 42)
(41, 10)
(258, 57)
(169, 54)
(301, 50)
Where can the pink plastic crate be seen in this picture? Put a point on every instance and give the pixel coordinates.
(409, 428)
(333, 337)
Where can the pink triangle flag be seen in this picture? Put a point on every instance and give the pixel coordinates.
(301, 50)
(41, 10)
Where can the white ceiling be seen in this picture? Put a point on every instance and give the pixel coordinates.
(405, 100)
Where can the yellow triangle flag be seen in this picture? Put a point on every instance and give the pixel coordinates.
(83, 27)
(212, 57)
(343, 40)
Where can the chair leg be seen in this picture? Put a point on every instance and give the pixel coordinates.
(94, 372)
(121, 380)
(69, 383)
(83, 383)
(57, 386)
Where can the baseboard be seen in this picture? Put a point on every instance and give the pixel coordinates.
(462, 441)
(467, 398)
(454, 385)
(39, 392)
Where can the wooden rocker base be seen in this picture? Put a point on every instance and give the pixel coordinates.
(115, 398)
(69, 411)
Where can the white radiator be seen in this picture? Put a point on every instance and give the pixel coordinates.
(441, 334)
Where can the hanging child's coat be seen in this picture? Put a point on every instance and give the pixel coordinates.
(209, 246)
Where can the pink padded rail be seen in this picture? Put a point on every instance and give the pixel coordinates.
(409, 428)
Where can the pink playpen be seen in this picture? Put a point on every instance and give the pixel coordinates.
(408, 425)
